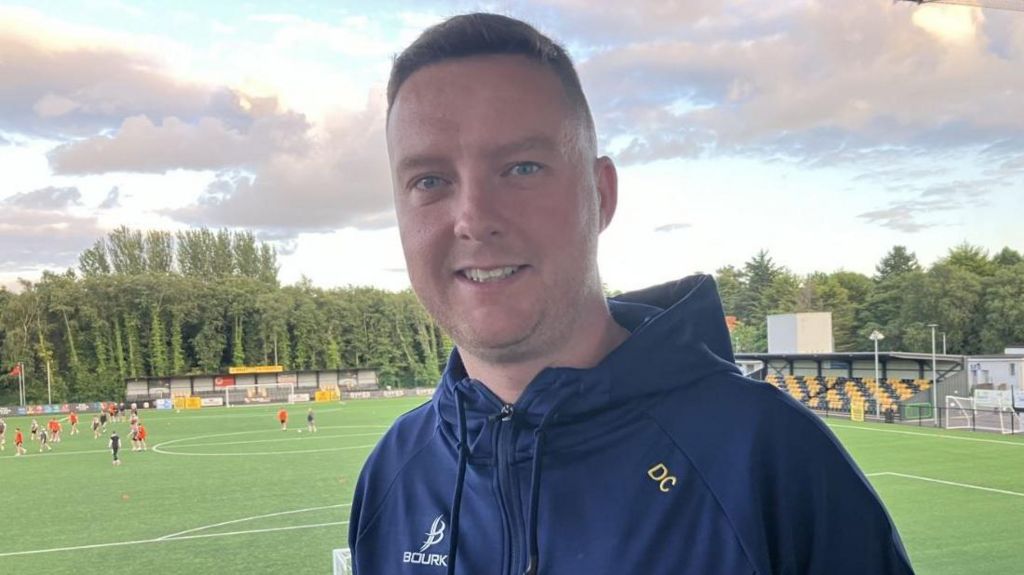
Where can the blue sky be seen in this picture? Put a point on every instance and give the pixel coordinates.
(821, 134)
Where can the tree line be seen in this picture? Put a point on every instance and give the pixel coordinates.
(976, 299)
(155, 304)
(158, 304)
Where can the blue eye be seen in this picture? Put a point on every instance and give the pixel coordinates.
(524, 169)
(428, 183)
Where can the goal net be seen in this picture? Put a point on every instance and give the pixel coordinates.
(342, 562)
(262, 393)
(967, 413)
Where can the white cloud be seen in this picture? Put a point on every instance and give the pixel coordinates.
(342, 180)
(208, 144)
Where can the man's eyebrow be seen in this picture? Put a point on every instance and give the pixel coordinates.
(418, 161)
(527, 144)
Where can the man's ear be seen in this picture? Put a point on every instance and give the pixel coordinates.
(606, 178)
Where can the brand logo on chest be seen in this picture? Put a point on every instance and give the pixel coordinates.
(434, 536)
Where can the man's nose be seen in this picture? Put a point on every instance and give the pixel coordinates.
(478, 212)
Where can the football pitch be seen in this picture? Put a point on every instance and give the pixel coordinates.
(226, 491)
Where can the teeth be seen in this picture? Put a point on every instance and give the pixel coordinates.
(481, 276)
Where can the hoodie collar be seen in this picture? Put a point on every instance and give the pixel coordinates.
(678, 335)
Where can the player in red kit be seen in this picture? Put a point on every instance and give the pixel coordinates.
(19, 442)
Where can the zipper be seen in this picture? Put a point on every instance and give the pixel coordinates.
(508, 490)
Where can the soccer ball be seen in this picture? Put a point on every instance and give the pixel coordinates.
(300, 431)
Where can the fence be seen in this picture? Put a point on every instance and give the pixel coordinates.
(997, 420)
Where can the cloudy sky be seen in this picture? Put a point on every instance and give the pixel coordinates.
(822, 132)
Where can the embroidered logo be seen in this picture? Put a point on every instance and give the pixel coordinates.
(661, 474)
(436, 533)
(434, 536)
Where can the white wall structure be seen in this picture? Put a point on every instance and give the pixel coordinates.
(800, 333)
(998, 372)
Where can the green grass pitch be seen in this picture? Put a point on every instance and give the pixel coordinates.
(226, 491)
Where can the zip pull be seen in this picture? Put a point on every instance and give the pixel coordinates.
(506, 412)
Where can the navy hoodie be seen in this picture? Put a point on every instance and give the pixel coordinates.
(662, 459)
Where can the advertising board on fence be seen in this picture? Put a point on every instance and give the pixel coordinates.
(389, 393)
(54, 409)
(298, 398)
(993, 398)
(212, 401)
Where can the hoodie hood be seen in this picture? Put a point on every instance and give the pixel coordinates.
(678, 334)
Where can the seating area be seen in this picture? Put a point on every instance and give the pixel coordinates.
(834, 393)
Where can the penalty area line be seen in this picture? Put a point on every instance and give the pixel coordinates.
(944, 482)
(254, 517)
(162, 540)
(931, 435)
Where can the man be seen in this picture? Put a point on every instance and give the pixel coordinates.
(54, 426)
(95, 426)
(570, 434)
(3, 434)
(73, 420)
(115, 446)
(133, 434)
(19, 442)
(282, 418)
(44, 441)
(142, 436)
(310, 421)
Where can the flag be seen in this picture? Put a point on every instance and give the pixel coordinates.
(15, 371)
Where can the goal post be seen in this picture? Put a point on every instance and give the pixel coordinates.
(969, 413)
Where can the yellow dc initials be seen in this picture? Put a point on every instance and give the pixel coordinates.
(660, 474)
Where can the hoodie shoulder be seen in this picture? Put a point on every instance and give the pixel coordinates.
(408, 436)
(791, 490)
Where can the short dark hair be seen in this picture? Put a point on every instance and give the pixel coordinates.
(483, 34)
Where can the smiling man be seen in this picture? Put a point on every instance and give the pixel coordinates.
(571, 434)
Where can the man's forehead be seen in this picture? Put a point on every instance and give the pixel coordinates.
(492, 102)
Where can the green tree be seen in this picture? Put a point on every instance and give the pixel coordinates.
(1003, 309)
(126, 250)
(970, 258)
(1007, 257)
(896, 263)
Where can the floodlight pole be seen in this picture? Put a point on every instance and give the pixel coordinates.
(935, 378)
(943, 343)
(21, 382)
(876, 336)
(49, 384)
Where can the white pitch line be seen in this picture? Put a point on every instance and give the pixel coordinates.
(295, 452)
(272, 431)
(243, 519)
(55, 453)
(307, 438)
(182, 538)
(944, 482)
(932, 435)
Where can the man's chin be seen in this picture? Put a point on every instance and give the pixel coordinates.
(497, 347)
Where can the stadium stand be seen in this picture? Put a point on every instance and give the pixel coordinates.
(839, 393)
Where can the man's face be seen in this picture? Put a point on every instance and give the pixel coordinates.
(499, 211)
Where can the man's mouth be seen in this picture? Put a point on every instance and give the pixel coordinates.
(481, 275)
